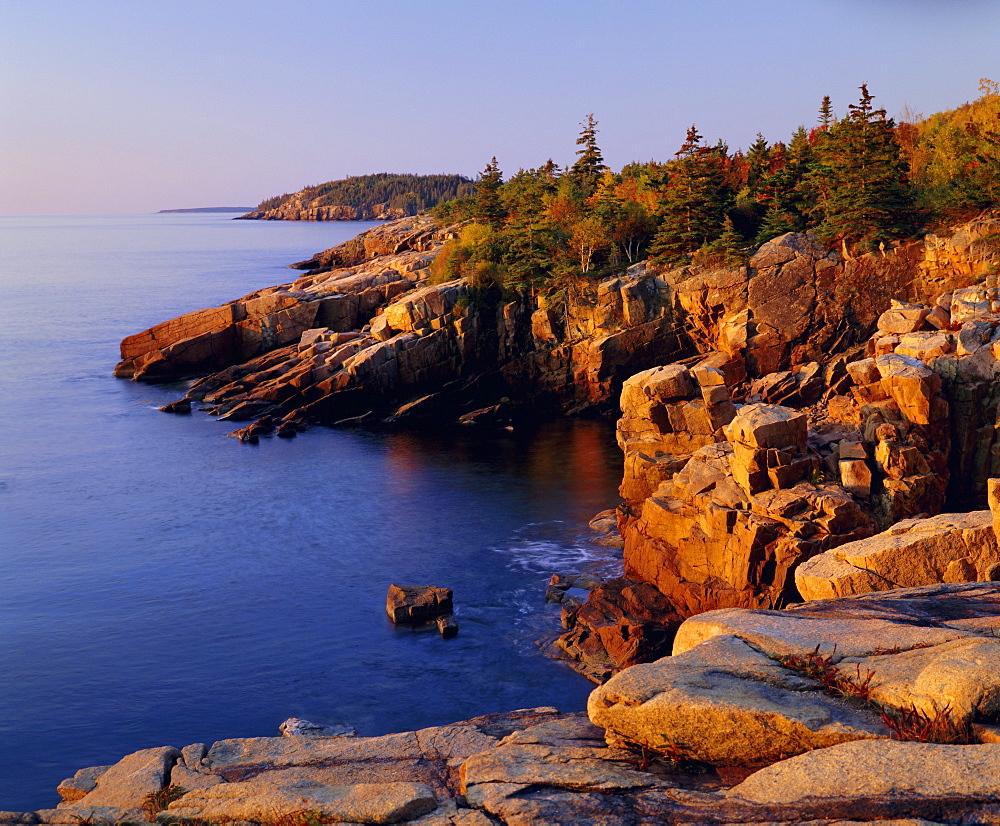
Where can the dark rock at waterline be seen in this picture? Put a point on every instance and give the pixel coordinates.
(622, 623)
(447, 626)
(179, 406)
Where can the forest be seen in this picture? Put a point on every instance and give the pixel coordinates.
(409, 193)
(860, 180)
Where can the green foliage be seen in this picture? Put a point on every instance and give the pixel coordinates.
(549, 228)
(776, 222)
(489, 208)
(861, 177)
(410, 193)
(303, 817)
(694, 202)
(589, 164)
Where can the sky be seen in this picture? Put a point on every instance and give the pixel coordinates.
(132, 106)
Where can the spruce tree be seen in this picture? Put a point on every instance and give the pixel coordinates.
(862, 176)
(776, 222)
(489, 207)
(694, 201)
(589, 164)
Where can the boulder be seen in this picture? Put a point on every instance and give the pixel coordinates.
(294, 727)
(128, 781)
(76, 787)
(902, 317)
(416, 604)
(911, 553)
(621, 623)
(725, 703)
(914, 387)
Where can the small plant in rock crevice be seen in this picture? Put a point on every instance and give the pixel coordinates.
(303, 817)
(939, 727)
(821, 668)
(904, 723)
(157, 801)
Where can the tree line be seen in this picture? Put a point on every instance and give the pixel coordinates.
(860, 180)
(409, 193)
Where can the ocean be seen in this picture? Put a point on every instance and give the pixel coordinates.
(165, 585)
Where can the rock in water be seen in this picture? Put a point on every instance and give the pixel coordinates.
(447, 626)
(294, 727)
(415, 604)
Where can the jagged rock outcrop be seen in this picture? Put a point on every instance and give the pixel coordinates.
(729, 527)
(363, 332)
(441, 351)
(621, 623)
(342, 299)
(939, 378)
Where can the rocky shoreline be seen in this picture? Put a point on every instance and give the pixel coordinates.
(801, 635)
(730, 729)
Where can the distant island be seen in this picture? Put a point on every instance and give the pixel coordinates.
(383, 196)
(205, 209)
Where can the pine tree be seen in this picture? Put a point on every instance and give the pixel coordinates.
(489, 207)
(866, 198)
(589, 164)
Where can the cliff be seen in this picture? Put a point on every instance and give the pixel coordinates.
(756, 491)
(364, 333)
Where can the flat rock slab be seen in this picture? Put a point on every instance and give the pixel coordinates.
(266, 802)
(949, 547)
(78, 814)
(725, 703)
(860, 625)
(884, 769)
(431, 756)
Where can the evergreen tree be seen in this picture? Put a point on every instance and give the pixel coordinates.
(758, 159)
(825, 113)
(489, 207)
(776, 222)
(694, 201)
(866, 198)
(589, 164)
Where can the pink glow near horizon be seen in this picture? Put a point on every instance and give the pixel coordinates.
(118, 107)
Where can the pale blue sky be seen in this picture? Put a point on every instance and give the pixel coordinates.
(112, 106)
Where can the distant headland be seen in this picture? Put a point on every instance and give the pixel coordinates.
(384, 196)
(206, 209)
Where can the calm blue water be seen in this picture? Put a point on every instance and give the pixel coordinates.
(162, 584)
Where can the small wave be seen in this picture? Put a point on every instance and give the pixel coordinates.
(548, 548)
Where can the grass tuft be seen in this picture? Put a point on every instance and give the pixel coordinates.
(939, 727)
(157, 801)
